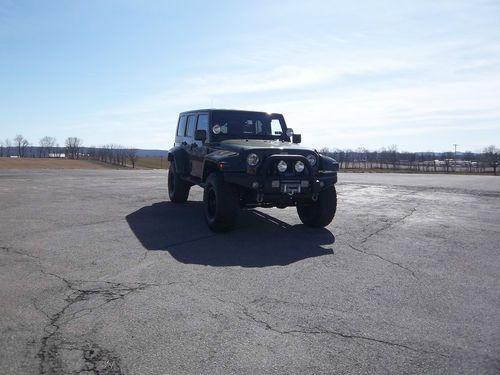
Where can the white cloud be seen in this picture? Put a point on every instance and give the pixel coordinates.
(346, 97)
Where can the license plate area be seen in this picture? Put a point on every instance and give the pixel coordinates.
(290, 187)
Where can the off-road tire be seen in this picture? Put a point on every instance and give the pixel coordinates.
(220, 201)
(320, 213)
(178, 189)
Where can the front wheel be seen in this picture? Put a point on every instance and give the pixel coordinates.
(220, 203)
(319, 213)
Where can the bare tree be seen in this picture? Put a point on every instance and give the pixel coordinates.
(18, 141)
(339, 155)
(73, 145)
(92, 152)
(8, 147)
(491, 156)
(362, 156)
(47, 145)
(132, 156)
(392, 155)
(21, 144)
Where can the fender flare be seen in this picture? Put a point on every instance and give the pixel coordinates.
(328, 164)
(181, 158)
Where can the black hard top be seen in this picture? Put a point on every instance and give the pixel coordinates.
(220, 110)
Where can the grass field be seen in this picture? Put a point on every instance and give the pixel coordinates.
(152, 163)
(53, 163)
(46, 163)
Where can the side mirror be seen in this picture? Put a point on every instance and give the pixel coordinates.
(296, 138)
(200, 135)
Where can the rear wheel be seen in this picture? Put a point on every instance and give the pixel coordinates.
(178, 189)
(220, 201)
(319, 213)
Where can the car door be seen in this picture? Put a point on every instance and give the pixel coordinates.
(199, 149)
(189, 143)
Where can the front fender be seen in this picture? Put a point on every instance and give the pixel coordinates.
(327, 163)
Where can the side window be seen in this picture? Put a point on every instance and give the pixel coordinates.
(202, 123)
(191, 125)
(276, 127)
(181, 127)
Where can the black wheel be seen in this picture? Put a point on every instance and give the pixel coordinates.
(220, 201)
(178, 189)
(320, 213)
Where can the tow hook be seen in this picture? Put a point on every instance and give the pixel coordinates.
(260, 198)
(314, 197)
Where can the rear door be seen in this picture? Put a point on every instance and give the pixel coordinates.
(199, 149)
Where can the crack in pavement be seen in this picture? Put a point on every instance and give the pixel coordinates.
(320, 330)
(95, 359)
(385, 260)
(323, 331)
(384, 228)
(14, 251)
(389, 225)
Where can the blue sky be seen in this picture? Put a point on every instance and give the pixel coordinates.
(346, 74)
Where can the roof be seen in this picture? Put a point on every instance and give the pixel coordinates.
(219, 110)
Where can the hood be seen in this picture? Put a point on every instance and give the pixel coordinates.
(268, 146)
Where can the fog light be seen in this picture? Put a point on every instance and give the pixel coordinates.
(255, 185)
(282, 166)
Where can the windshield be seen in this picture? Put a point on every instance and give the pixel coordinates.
(234, 124)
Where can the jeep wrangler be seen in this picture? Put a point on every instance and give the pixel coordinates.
(249, 159)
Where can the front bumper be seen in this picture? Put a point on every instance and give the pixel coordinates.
(272, 189)
(266, 185)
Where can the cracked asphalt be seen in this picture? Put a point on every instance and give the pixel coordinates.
(100, 274)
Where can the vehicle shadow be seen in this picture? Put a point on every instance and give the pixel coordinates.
(258, 240)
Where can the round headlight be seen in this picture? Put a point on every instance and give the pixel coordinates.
(311, 159)
(252, 160)
(282, 166)
(299, 166)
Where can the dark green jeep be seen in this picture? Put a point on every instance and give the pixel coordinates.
(249, 159)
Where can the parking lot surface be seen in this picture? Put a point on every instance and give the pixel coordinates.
(99, 273)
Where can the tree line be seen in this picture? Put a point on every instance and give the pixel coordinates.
(361, 158)
(485, 161)
(73, 149)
